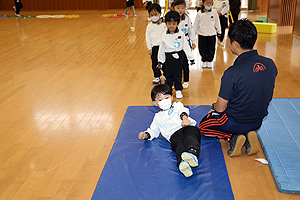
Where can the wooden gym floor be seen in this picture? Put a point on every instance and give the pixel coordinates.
(65, 85)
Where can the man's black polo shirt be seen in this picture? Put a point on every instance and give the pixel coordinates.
(248, 86)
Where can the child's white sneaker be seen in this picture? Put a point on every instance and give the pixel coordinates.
(135, 15)
(209, 65)
(179, 94)
(185, 85)
(190, 158)
(204, 64)
(221, 43)
(185, 168)
(156, 80)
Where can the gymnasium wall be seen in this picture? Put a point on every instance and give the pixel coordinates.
(69, 4)
(297, 19)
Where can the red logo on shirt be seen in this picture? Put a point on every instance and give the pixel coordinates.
(179, 37)
(186, 25)
(259, 67)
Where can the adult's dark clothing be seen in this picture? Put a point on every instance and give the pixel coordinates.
(235, 8)
(248, 86)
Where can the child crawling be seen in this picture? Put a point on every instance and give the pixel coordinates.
(174, 123)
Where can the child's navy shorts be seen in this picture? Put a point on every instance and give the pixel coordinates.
(130, 3)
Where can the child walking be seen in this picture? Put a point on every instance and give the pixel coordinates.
(130, 3)
(154, 33)
(17, 7)
(206, 25)
(222, 8)
(171, 52)
(186, 27)
(174, 123)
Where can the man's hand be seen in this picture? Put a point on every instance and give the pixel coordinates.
(142, 135)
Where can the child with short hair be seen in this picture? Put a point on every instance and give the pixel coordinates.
(171, 52)
(186, 27)
(206, 25)
(154, 33)
(174, 124)
(130, 3)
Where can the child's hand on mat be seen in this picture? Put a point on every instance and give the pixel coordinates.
(150, 52)
(185, 122)
(142, 135)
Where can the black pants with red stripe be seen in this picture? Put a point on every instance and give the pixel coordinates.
(223, 126)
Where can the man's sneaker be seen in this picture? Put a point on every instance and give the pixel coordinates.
(251, 143)
(185, 168)
(236, 143)
(190, 158)
(209, 64)
(156, 80)
(204, 64)
(179, 94)
(185, 85)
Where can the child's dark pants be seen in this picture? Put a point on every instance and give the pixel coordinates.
(184, 139)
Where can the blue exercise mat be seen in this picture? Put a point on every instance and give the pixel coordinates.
(147, 169)
(280, 139)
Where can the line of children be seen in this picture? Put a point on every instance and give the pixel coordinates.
(174, 123)
(154, 33)
(207, 26)
(171, 52)
(186, 27)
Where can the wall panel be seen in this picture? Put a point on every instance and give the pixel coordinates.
(297, 19)
(69, 4)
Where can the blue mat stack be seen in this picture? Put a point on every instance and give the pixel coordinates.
(147, 169)
(280, 140)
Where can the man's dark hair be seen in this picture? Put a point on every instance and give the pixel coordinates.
(172, 15)
(163, 89)
(244, 32)
(154, 6)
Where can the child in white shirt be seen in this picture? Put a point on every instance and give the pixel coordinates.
(186, 27)
(174, 123)
(222, 8)
(206, 25)
(154, 33)
(171, 52)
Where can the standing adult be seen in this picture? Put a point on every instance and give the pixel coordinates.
(235, 8)
(245, 92)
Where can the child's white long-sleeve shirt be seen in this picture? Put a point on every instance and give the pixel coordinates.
(206, 23)
(186, 27)
(167, 122)
(222, 6)
(174, 42)
(154, 32)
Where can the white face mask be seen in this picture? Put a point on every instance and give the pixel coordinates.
(165, 104)
(208, 7)
(155, 18)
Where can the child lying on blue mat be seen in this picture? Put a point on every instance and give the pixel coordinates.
(174, 123)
